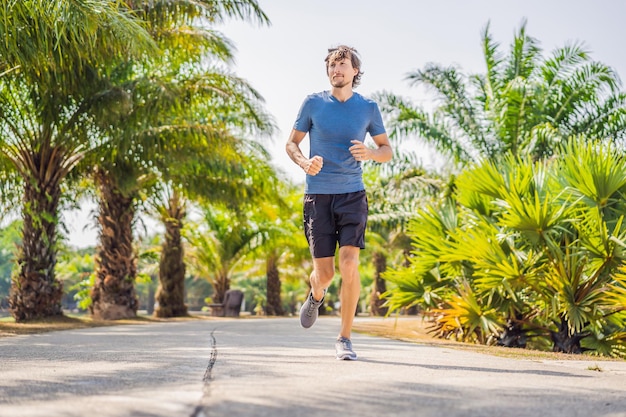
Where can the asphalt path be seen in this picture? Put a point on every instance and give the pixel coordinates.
(272, 367)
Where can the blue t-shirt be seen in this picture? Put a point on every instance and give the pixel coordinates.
(331, 125)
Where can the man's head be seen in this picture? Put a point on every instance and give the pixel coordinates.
(341, 53)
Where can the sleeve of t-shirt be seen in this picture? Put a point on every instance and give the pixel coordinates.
(303, 120)
(376, 126)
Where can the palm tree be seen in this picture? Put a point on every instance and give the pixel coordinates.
(282, 242)
(170, 295)
(229, 176)
(216, 178)
(524, 103)
(184, 110)
(219, 242)
(48, 86)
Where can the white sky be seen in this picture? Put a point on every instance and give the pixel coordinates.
(285, 61)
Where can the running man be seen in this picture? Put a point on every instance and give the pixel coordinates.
(335, 203)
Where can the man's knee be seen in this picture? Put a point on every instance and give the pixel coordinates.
(324, 269)
(325, 274)
(349, 259)
(349, 264)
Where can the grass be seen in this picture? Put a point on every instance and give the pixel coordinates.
(8, 326)
(595, 368)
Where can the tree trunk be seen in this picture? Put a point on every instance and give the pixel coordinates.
(220, 286)
(274, 303)
(513, 335)
(566, 342)
(170, 296)
(113, 295)
(35, 291)
(380, 285)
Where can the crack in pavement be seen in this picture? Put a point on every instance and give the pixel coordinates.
(201, 410)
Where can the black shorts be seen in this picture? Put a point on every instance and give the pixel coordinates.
(334, 218)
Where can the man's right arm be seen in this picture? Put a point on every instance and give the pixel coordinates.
(310, 166)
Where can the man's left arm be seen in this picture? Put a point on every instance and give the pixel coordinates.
(382, 152)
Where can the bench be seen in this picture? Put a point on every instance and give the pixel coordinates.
(231, 307)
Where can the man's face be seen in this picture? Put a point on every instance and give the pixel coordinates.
(341, 72)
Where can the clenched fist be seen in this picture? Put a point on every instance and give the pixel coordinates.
(313, 166)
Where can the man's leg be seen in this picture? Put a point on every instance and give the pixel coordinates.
(322, 275)
(350, 287)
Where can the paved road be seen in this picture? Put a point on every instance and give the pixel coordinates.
(272, 367)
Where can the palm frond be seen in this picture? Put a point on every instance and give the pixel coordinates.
(560, 65)
(409, 120)
(604, 176)
(524, 56)
(466, 318)
(493, 59)
(456, 103)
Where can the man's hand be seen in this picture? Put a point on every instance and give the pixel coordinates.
(359, 151)
(313, 166)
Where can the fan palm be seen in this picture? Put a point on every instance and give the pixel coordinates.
(531, 252)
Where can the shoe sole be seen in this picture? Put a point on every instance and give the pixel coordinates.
(346, 358)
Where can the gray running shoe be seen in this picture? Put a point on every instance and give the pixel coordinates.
(310, 310)
(344, 349)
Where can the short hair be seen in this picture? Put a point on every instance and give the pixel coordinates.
(342, 52)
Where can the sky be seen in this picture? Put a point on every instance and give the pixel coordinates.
(284, 61)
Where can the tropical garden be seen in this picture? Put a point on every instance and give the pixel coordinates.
(525, 244)
(517, 240)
